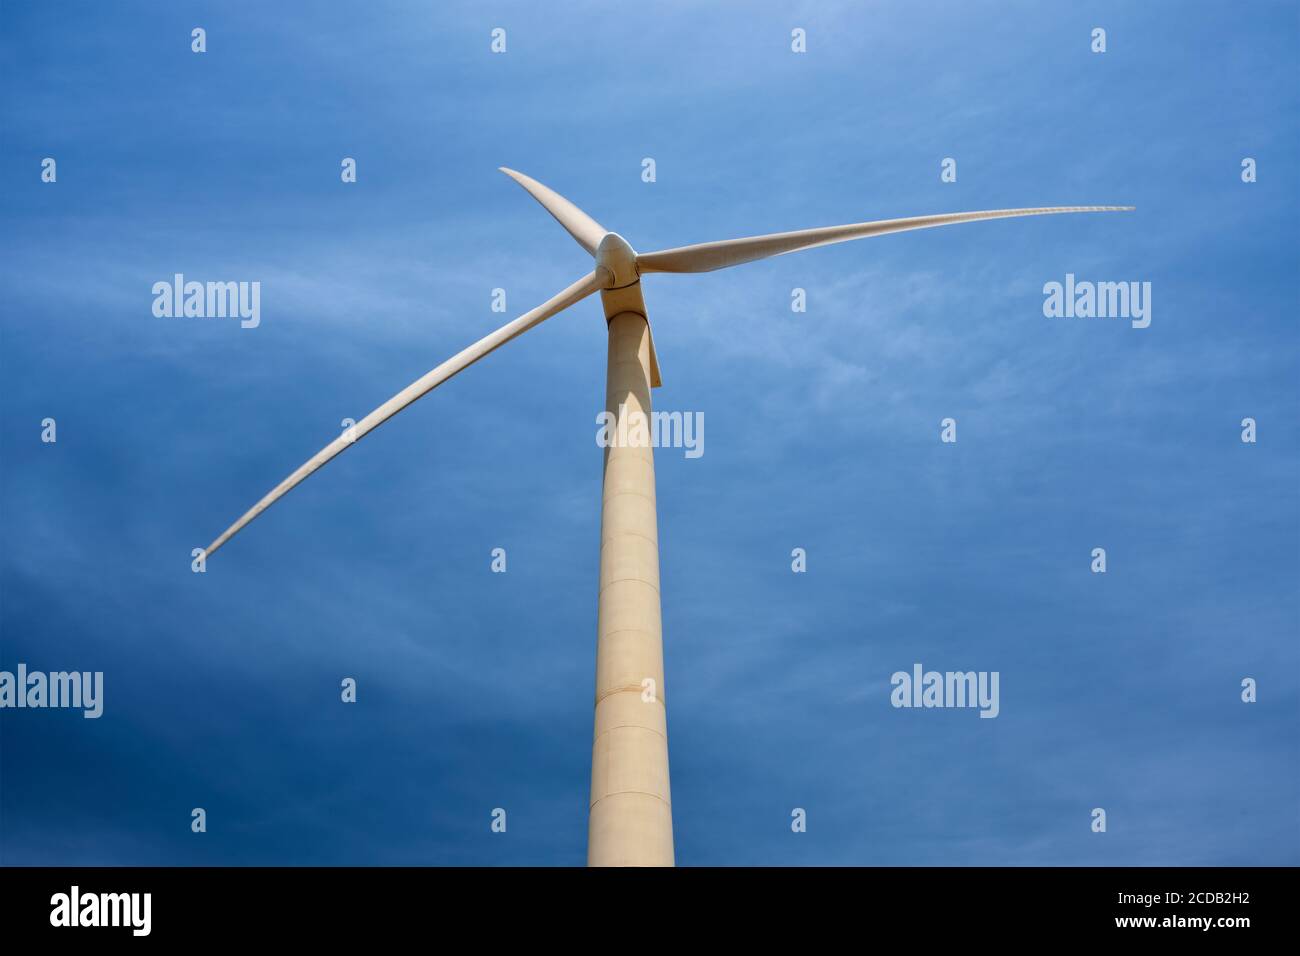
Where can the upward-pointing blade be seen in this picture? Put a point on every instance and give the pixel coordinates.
(417, 389)
(708, 256)
(582, 227)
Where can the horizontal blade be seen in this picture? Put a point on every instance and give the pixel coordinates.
(708, 256)
(417, 389)
(582, 227)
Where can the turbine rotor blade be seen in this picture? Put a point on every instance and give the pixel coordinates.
(708, 256)
(580, 226)
(416, 390)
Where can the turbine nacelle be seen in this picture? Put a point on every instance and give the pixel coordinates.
(616, 267)
(616, 262)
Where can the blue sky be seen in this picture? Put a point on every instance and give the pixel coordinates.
(1118, 691)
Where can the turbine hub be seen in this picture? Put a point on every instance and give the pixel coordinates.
(616, 262)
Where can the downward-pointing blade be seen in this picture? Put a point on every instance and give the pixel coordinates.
(417, 389)
(708, 256)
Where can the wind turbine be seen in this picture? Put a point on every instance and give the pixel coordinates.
(630, 822)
